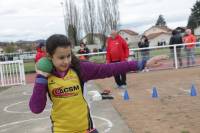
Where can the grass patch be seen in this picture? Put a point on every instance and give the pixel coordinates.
(98, 58)
(29, 67)
(185, 132)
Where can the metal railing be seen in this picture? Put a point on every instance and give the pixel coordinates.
(12, 73)
(136, 53)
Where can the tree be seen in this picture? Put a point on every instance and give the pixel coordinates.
(103, 18)
(194, 18)
(89, 19)
(114, 14)
(10, 48)
(161, 21)
(108, 17)
(72, 34)
(72, 21)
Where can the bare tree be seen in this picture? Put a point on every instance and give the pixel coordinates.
(72, 21)
(89, 19)
(113, 14)
(103, 18)
(108, 17)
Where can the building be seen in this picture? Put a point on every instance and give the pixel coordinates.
(159, 39)
(197, 32)
(157, 29)
(181, 29)
(130, 36)
(158, 35)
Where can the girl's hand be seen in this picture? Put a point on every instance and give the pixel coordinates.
(156, 61)
(41, 72)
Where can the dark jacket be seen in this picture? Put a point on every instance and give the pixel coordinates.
(176, 39)
(144, 45)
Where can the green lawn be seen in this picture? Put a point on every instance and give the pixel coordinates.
(29, 67)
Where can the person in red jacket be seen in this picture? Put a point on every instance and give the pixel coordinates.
(41, 52)
(190, 38)
(117, 51)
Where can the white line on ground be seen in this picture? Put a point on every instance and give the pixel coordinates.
(6, 108)
(109, 123)
(24, 121)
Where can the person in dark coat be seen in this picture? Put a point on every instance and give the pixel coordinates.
(144, 43)
(176, 39)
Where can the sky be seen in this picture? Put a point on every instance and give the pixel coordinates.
(38, 19)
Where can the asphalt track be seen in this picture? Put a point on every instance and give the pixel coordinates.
(15, 116)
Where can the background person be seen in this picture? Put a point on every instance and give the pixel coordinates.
(117, 51)
(190, 49)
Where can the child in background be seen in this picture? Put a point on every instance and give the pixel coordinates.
(83, 50)
(40, 52)
(70, 112)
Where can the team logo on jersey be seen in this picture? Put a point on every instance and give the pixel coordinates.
(117, 43)
(66, 92)
(52, 82)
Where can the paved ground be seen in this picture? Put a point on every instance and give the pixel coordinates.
(16, 117)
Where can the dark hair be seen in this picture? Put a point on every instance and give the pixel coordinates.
(40, 45)
(55, 41)
(82, 43)
(174, 32)
(58, 40)
(145, 38)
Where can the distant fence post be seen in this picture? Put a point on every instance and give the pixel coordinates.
(1, 72)
(175, 57)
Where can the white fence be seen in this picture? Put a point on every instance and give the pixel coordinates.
(158, 50)
(12, 73)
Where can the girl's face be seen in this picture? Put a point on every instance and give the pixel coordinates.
(62, 58)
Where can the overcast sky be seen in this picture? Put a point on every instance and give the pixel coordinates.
(37, 19)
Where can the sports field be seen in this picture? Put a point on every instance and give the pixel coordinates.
(174, 111)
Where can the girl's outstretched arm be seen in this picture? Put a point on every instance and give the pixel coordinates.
(91, 70)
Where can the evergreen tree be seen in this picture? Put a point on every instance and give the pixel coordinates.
(161, 21)
(194, 19)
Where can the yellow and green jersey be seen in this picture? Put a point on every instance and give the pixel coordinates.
(70, 113)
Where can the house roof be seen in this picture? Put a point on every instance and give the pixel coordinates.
(130, 32)
(167, 29)
(154, 35)
(181, 27)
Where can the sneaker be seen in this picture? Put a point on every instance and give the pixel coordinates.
(117, 86)
(123, 87)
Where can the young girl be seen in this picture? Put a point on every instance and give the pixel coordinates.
(70, 112)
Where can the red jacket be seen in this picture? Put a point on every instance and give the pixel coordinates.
(39, 54)
(117, 49)
(189, 39)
